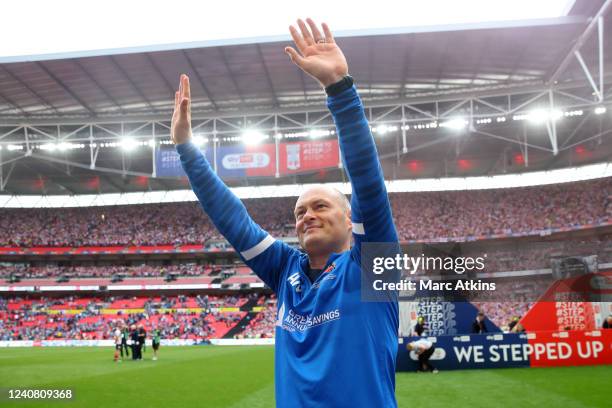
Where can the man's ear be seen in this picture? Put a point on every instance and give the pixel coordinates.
(348, 217)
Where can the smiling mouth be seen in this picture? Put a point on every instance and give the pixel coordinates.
(310, 229)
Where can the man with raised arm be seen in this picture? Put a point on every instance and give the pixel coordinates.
(332, 348)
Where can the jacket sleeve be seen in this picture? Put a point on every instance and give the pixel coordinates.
(370, 207)
(262, 253)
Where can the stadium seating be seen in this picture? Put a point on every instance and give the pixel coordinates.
(177, 317)
(441, 215)
(521, 255)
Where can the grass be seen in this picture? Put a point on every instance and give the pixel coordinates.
(243, 377)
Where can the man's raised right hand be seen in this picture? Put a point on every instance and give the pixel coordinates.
(180, 130)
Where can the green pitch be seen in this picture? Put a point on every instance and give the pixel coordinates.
(242, 377)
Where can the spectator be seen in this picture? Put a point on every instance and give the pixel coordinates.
(420, 327)
(607, 324)
(513, 323)
(479, 326)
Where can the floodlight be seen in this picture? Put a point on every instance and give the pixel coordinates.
(600, 110)
(542, 115)
(63, 146)
(51, 147)
(252, 137)
(317, 133)
(457, 124)
(128, 144)
(199, 140)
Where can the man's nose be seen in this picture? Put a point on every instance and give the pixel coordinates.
(309, 214)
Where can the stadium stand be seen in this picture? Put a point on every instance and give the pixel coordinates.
(198, 317)
(476, 216)
(442, 215)
(518, 255)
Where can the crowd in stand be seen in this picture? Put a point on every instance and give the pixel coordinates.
(518, 255)
(149, 224)
(512, 298)
(202, 316)
(422, 216)
(502, 313)
(534, 255)
(264, 324)
(107, 271)
(418, 216)
(79, 318)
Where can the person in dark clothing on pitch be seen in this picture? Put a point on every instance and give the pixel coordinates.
(142, 336)
(134, 339)
(479, 326)
(125, 334)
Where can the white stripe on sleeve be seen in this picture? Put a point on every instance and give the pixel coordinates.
(358, 228)
(257, 249)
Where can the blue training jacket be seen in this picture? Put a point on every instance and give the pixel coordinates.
(332, 350)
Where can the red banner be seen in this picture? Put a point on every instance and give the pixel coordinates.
(571, 348)
(559, 316)
(304, 156)
(565, 304)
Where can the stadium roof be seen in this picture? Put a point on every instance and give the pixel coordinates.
(219, 23)
(474, 71)
(537, 178)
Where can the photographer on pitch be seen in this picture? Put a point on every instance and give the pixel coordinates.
(424, 349)
(346, 359)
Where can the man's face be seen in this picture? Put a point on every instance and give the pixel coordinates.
(322, 221)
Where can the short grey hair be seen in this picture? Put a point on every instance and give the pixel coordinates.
(342, 198)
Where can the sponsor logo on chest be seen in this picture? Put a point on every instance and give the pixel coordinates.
(291, 321)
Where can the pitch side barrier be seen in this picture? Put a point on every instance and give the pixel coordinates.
(497, 350)
(504, 350)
